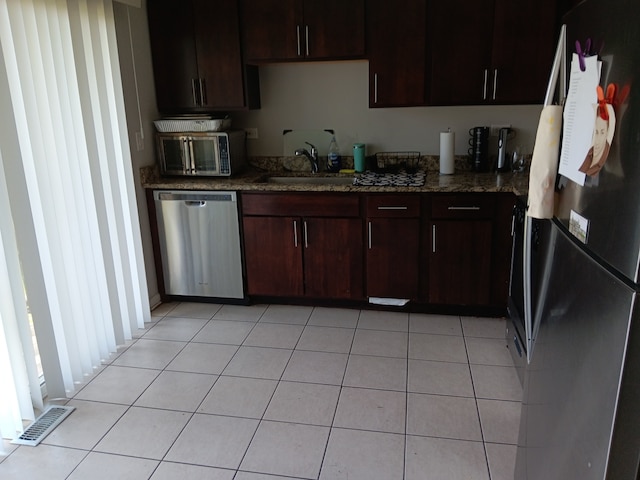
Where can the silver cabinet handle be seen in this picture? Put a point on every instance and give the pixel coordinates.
(495, 83)
(306, 237)
(295, 234)
(464, 208)
(298, 37)
(203, 92)
(193, 92)
(393, 208)
(484, 88)
(306, 38)
(433, 238)
(375, 88)
(369, 235)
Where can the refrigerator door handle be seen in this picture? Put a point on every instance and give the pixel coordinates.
(526, 273)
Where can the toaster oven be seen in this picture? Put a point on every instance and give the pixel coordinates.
(214, 154)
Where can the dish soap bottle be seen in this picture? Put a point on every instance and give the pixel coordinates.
(334, 161)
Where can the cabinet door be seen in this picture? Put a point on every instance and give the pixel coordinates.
(217, 40)
(272, 29)
(333, 28)
(392, 257)
(460, 262)
(523, 47)
(460, 36)
(333, 257)
(173, 51)
(396, 43)
(273, 256)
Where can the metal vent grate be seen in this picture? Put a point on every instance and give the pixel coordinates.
(43, 425)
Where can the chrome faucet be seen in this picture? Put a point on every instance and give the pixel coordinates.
(313, 156)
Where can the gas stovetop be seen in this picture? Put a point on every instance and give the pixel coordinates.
(399, 179)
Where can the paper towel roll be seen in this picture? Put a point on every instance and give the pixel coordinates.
(447, 147)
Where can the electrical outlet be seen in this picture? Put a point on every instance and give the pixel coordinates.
(139, 142)
(252, 133)
(495, 129)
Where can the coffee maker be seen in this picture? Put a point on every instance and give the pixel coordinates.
(502, 163)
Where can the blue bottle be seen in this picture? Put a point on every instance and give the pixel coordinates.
(334, 160)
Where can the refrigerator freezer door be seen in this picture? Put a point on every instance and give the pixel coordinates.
(610, 200)
(573, 382)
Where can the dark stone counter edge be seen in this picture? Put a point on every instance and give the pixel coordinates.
(253, 180)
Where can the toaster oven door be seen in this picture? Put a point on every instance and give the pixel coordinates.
(175, 158)
(205, 152)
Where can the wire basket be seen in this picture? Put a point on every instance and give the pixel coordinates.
(393, 162)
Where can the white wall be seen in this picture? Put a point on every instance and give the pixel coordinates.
(315, 96)
(140, 105)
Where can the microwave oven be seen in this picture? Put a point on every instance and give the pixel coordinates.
(214, 154)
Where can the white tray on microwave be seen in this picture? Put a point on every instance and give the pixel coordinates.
(192, 125)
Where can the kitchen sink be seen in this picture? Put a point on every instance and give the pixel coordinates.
(319, 180)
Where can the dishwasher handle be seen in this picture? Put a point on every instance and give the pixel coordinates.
(195, 203)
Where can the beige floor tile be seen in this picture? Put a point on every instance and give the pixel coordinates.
(177, 391)
(438, 458)
(500, 420)
(258, 362)
(239, 397)
(44, 462)
(241, 313)
(440, 348)
(224, 331)
(488, 351)
(502, 460)
(316, 367)
(102, 466)
(203, 358)
(173, 471)
(306, 403)
(289, 314)
(496, 383)
(382, 320)
(180, 329)
(366, 409)
(118, 385)
(144, 432)
(261, 476)
(441, 416)
(287, 449)
(440, 378)
(155, 354)
(380, 343)
(212, 440)
(435, 324)
(484, 327)
(361, 455)
(274, 335)
(193, 310)
(86, 425)
(326, 339)
(376, 372)
(334, 317)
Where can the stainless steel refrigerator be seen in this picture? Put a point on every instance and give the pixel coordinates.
(581, 407)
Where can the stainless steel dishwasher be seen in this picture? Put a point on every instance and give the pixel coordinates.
(200, 243)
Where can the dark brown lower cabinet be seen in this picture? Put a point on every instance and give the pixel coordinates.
(460, 262)
(317, 255)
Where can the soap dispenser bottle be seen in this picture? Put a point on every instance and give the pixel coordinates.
(334, 161)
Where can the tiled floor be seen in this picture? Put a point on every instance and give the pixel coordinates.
(282, 392)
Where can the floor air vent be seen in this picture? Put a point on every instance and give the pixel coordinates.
(43, 426)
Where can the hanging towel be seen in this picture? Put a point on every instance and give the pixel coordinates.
(544, 163)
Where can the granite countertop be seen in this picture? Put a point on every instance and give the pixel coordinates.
(255, 180)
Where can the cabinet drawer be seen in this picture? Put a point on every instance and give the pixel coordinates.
(463, 206)
(301, 204)
(389, 206)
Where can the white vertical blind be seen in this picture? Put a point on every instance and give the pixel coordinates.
(70, 182)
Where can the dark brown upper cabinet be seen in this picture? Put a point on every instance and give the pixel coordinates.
(197, 60)
(396, 44)
(285, 30)
(490, 51)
